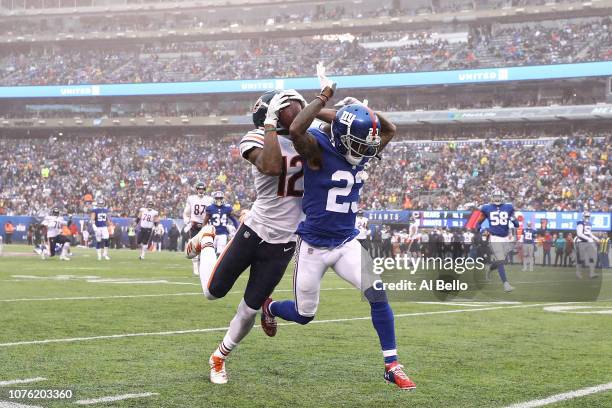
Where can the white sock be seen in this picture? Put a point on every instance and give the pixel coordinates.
(196, 265)
(99, 251)
(105, 251)
(65, 248)
(240, 326)
(143, 249)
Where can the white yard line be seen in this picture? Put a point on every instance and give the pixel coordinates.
(563, 397)
(8, 404)
(23, 381)
(215, 329)
(136, 296)
(115, 398)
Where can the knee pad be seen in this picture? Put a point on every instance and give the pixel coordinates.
(214, 291)
(208, 295)
(372, 295)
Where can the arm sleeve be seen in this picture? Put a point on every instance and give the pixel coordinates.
(249, 141)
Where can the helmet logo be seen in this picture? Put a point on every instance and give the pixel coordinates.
(256, 106)
(347, 118)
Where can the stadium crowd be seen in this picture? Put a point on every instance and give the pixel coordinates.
(562, 173)
(486, 46)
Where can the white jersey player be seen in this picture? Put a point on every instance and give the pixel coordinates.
(147, 219)
(413, 233)
(361, 223)
(54, 224)
(586, 246)
(265, 240)
(193, 216)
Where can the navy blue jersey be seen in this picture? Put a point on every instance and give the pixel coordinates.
(500, 216)
(220, 215)
(529, 235)
(100, 217)
(330, 198)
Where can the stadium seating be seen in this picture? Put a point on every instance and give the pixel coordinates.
(565, 173)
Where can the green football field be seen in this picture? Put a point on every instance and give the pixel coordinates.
(119, 327)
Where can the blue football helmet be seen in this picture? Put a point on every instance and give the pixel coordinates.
(219, 198)
(356, 132)
(498, 197)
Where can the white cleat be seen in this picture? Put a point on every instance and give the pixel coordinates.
(106, 257)
(64, 258)
(594, 275)
(508, 287)
(217, 370)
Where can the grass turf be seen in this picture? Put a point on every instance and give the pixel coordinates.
(477, 358)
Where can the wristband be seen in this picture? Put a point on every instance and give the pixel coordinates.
(323, 99)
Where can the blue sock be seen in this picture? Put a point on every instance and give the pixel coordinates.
(382, 319)
(502, 272)
(286, 310)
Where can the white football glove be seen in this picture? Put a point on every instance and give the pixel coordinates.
(349, 100)
(187, 227)
(296, 96)
(324, 81)
(278, 102)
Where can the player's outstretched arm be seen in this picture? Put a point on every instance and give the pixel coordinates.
(387, 131)
(269, 160)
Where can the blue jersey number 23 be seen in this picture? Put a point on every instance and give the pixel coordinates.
(335, 192)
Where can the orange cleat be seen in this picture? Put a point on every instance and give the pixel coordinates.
(217, 370)
(394, 374)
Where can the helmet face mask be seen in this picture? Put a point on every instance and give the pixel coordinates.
(356, 133)
(586, 216)
(200, 189)
(498, 197)
(219, 198)
(55, 211)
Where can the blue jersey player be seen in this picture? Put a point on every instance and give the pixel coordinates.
(334, 159)
(529, 235)
(220, 216)
(99, 222)
(500, 216)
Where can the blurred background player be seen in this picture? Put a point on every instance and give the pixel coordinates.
(54, 224)
(361, 223)
(528, 247)
(334, 158)
(147, 219)
(193, 216)
(158, 236)
(413, 233)
(586, 246)
(500, 216)
(99, 223)
(219, 215)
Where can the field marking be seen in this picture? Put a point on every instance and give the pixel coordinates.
(23, 381)
(8, 404)
(115, 398)
(136, 296)
(563, 397)
(576, 309)
(215, 329)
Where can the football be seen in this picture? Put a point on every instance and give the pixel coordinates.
(288, 113)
